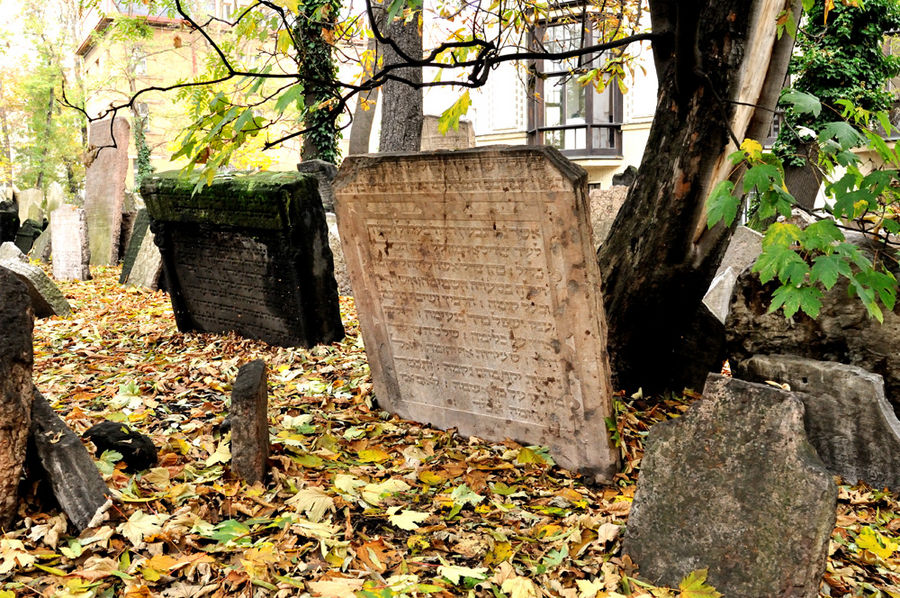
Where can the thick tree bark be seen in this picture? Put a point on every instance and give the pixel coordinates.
(716, 61)
(804, 182)
(402, 106)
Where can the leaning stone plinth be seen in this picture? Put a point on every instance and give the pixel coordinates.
(848, 420)
(138, 232)
(46, 299)
(477, 289)
(16, 357)
(73, 476)
(734, 486)
(247, 254)
(104, 188)
(250, 422)
(69, 242)
(146, 269)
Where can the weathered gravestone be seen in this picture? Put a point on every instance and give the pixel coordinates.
(104, 188)
(125, 231)
(477, 291)
(73, 475)
(324, 173)
(16, 357)
(30, 204)
(42, 247)
(250, 422)
(9, 221)
(9, 251)
(454, 139)
(734, 486)
(848, 420)
(743, 249)
(46, 300)
(27, 233)
(138, 232)
(247, 254)
(147, 268)
(605, 204)
(71, 254)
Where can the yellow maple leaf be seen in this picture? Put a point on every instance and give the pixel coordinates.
(877, 544)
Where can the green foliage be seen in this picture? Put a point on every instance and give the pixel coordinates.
(143, 168)
(808, 261)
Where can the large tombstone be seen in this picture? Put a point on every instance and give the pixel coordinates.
(46, 299)
(104, 188)
(454, 139)
(848, 420)
(30, 204)
(16, 357)
(734, 486)
(71, 254)
(247, 254)
(477, 289)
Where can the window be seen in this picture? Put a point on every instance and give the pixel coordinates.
(578, 120)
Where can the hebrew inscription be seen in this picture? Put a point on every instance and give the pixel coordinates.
(478, 295)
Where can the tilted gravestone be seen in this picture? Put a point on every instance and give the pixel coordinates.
(743, 249)
(104, 188)
(125, 231)
(250, 422)
(71, 254)
(848, 420)
(247, 254)
(46, 300)
(27, 233)
(734, 486)
(16, 358)
(42, 247)
(139, 231)
(147, 268)
(477, 290)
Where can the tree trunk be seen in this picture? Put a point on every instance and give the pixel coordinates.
(401, 111)
(659, 258)
(804, 182)
(364, 114)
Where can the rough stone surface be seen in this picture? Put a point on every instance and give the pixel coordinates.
(28, 232)
(247, 254)
(138, 232)
(71, 254)
(462, 138)
(46, 300)
(30, 204)
(9, 251)
(324, 173)
(477, 291)
(250, 422)
(125, 232)
(147, 268)
(605, 204)
(337, 251)
(16, 358)
(73, 475)
(104, 188)
(42, 247)
(848, 420)
(842, 332)
(742, 251)
(734, 486)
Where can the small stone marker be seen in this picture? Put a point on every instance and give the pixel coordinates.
(734, 486)
(848, 419)
(477, 289)
(138, 232)
(147, 267)
(742, 251)
(73, 476)
(250, 422)
(42, 247)
(247, 254)
(46, 300)
(104, 189)
(454, 139)
(16, 358)
(71, 254)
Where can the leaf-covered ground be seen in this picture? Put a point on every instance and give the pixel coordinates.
(359, 503)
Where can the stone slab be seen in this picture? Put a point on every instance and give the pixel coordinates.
(9, 251)
(250, 422)
(27, 233)
(455, 139)
(743, 249)
(73, 475)
(848, 419)
(605, 205)
(477, 289)
(71, 253)
(337, 251)
(147, 267)
(247, 254)
(734, 486)
(46, 299)
(30, 204)
(42, 248)
(104, 188)
(16, 360)
(138, 232)
(324, 173)
(9, 222)
(125, 232)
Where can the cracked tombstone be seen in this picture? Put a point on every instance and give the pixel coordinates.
(848, 419)
(250, 422)
(69, 242)
(734, 486)
(476, 283)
